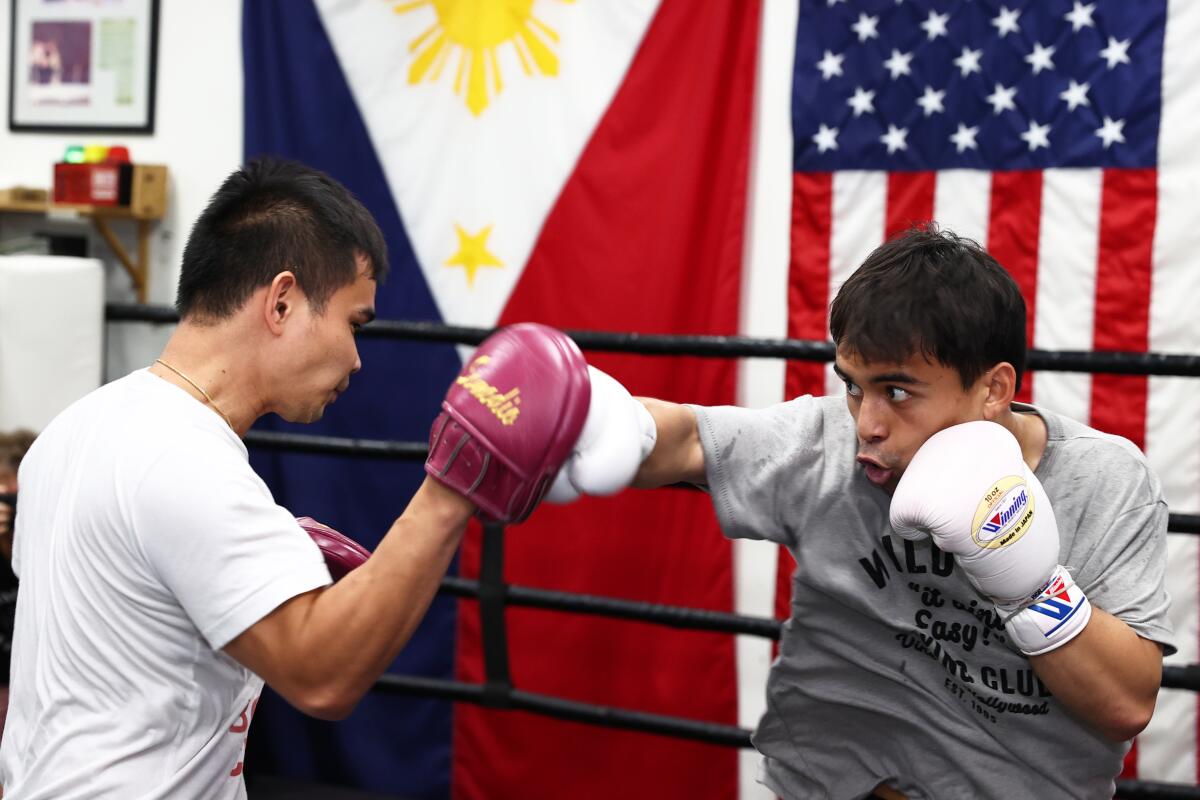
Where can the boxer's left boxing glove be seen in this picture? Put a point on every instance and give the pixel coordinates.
(968, 487)
(342, 554)
(617, 436)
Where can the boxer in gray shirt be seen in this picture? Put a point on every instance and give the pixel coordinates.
(892, 668)
(926, 667)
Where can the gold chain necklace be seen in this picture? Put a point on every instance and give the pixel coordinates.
(196, 386)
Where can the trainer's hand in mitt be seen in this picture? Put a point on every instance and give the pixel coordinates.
(510, 419)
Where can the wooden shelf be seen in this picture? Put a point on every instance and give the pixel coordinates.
(149, 205)
(83, 210)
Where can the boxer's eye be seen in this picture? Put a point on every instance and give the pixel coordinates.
(896, 394)
(852, 388)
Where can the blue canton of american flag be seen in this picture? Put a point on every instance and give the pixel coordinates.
(986, 85)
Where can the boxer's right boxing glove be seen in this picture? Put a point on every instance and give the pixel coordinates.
(617, 436)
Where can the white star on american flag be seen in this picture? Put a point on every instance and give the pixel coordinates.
(1041, 58)
(1037, 136)
(1075, 95)
(1006, 21)
(831, 65)
(964, 137)
(1080, 16)
(1002, 99)
(931, 101)
(862, 102)
(825, 138)
(899, 64)
(968, 62)
(935, 25)
(1113, 130)
(866, 27)
(895, 139)
(1116, 52)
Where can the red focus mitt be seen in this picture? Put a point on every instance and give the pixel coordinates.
(510, 419)
(342, 554)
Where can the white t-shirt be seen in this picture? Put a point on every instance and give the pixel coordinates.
(144, 544)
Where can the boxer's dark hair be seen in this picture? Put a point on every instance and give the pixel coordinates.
(270, 216)
(928, 291)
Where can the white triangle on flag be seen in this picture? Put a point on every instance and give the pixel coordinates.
(474, 172)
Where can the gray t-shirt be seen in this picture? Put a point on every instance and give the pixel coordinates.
(891, 666)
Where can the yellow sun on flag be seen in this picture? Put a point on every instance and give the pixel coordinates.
(475, 29)
(473, 252)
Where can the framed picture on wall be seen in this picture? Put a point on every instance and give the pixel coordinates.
(82, 65)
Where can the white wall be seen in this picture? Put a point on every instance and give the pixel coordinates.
(197, 134)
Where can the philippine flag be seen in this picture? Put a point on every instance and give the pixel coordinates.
(582, 164)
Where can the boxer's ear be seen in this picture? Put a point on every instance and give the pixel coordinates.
(279, 302)
(999, 386)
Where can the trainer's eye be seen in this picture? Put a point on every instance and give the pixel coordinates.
(852, 388)
(896, 394)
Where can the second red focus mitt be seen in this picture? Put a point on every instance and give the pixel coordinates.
(342, 554)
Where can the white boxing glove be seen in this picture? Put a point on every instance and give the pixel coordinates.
(968, 487)
(617, 436)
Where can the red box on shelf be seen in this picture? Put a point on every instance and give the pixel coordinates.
(92, 184)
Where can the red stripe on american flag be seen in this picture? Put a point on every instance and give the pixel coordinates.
(808, 275)
(1128, 209)
(1014, 226)
(909, 201)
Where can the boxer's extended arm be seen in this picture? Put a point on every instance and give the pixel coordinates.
(1107, 676)
(677, 456)
(323, 650)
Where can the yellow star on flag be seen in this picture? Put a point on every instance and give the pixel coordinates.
(473, 253)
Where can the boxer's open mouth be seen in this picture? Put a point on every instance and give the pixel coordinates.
(877, 473)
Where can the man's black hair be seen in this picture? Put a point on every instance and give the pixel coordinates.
(268, 217)
(930, 292)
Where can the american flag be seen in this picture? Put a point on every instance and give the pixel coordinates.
(1062, 136)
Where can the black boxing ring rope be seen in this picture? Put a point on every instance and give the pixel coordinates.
(1110, 362)
(494, 595)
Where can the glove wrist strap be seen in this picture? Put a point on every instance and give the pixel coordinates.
(1050, 617)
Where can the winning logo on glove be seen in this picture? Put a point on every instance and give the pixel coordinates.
(1004, 514)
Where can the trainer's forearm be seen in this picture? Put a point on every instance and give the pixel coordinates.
(677, 456)
(354, 629)
(1108, 676)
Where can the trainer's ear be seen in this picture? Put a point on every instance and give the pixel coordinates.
(279, 302)
(1000, 384)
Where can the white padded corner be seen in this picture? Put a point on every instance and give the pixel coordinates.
(51, 336)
